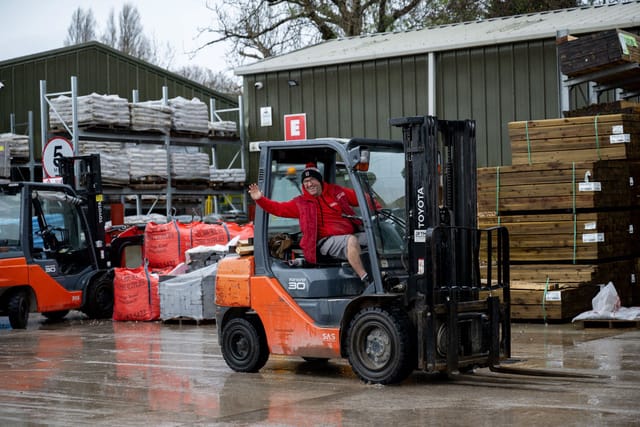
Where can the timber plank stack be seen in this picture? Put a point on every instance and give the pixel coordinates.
(577, 139)
(571, 203)
(610, 56)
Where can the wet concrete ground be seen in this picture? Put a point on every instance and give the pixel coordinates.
(82, 372)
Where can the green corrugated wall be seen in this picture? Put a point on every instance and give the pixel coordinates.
(99, 69)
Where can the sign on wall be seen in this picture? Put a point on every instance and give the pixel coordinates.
(295, 127)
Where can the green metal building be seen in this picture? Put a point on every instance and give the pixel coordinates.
(99, 69)
(494, 71)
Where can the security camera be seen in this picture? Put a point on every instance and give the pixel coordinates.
(258, 85)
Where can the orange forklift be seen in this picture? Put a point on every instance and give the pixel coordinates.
(52, 253)
(439, 297)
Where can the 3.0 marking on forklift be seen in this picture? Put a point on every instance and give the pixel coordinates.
(297, 284)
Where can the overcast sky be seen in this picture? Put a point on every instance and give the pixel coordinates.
(32, 26)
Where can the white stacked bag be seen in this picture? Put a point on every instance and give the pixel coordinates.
(147, 162)
(223, 128)
(189, 116)
(189, 165)
(18, 145)
(93, 109)
(227, 176)
(152, 116)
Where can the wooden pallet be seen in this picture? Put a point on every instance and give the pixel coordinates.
(576, 139)
(602, 108)
(188, 320)
(606, 323)
(555, 305)
(557, 237)
(597, 52)
(557, 186)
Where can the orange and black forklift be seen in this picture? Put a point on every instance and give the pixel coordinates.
(52, 252)
(439, 297)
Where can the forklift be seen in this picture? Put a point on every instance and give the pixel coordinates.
(439, 298)
(53, 256)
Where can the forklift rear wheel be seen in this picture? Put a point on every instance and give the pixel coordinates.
(244, 346)
(99, 300)
(18, 309)
(55, 316)
(379, 346)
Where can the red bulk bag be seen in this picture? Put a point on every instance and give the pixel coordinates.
(209, 234)
(135, 295)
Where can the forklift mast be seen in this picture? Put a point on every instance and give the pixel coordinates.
(83, 174)
(440, 171)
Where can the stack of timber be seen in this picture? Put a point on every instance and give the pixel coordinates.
(615, 107)
(608, 56)
(600, 137)
(571, 203)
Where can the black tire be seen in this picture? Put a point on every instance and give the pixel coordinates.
(379, 346)
(55, 316)
(18, 309)
(244, 346)
(98, 303)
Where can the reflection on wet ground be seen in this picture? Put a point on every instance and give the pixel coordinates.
(151, 373)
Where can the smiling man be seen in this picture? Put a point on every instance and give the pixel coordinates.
(324, 211)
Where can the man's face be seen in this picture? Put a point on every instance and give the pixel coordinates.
(312, 185)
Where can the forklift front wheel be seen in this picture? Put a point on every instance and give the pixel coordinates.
(99, 300)
(18, 309)
(379, 346)
(244, 346)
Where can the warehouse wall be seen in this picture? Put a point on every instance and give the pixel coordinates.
(99, 69)
(495, 85)
(345, 100)
(492, 85)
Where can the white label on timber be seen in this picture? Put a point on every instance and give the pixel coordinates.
(623, 138)
(630, 228)
(589, 186)
(553, 296)
(633, 278)
(590, 225)
(420, 236)
(617, 129)
(593, 238)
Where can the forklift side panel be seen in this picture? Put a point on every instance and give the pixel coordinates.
(232, 281)
(289, 329)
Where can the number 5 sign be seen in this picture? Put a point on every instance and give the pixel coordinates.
(295, 127)
(55, 147)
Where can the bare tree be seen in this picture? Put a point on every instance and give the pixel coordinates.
(82, 27)
(498, 8)
(131, 38)
(262, 28)
(218, 81)
(110, 35)
(259, 29)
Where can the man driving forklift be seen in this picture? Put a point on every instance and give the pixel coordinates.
(327, 219)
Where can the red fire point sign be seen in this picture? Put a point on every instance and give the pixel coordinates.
(295, 127)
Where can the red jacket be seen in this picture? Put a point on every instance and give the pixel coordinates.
(307, 207)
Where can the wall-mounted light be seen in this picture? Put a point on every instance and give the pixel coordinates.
(258, 85)
(292, 82)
